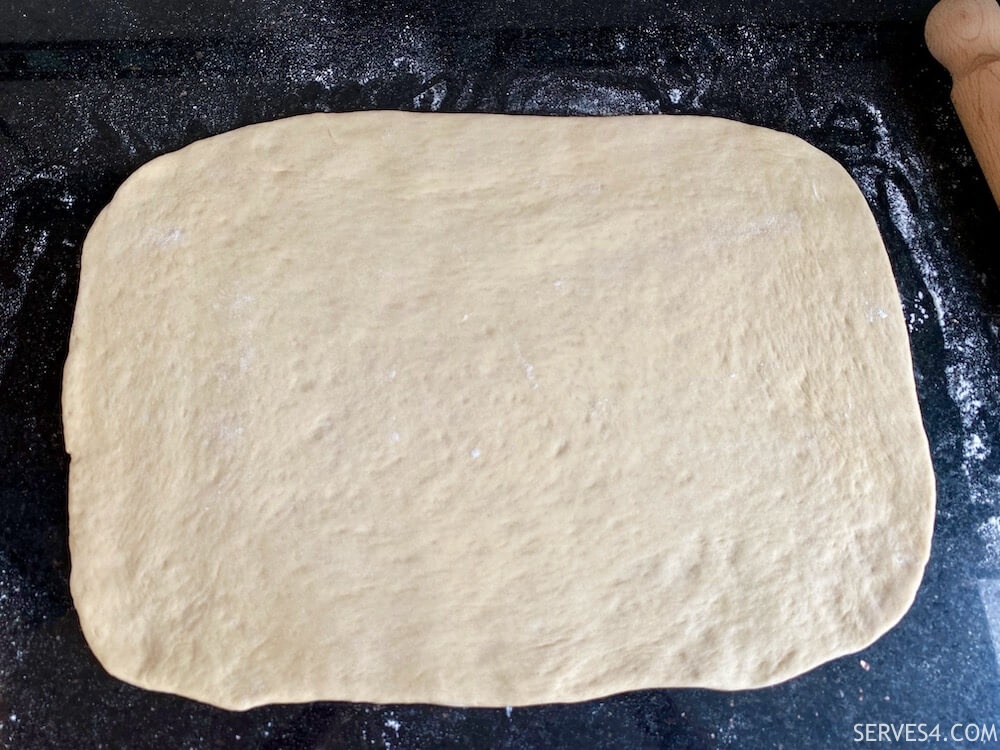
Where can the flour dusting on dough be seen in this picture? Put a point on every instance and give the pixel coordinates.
(529, 369)
(873, 314)
(161, 239)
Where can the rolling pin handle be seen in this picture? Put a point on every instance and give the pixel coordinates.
(964, 36)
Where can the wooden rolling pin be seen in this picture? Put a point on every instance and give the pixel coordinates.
(964, 36)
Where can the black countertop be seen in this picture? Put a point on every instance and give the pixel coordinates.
(90, 91)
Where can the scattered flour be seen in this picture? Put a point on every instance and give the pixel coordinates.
(12, 296)
(380, 54)
(16, 609)
(989, 532)
(972, 381)
(577, 96)
(392, 724)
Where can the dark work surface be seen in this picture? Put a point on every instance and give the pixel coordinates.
(90, 91)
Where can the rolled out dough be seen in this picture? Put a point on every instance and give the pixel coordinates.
(489, 410)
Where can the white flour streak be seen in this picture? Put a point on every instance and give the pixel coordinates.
(928, 272)
(900, 212)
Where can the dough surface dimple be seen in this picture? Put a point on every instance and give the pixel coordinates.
(489, 410)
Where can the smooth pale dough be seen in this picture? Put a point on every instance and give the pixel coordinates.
(489, 410)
